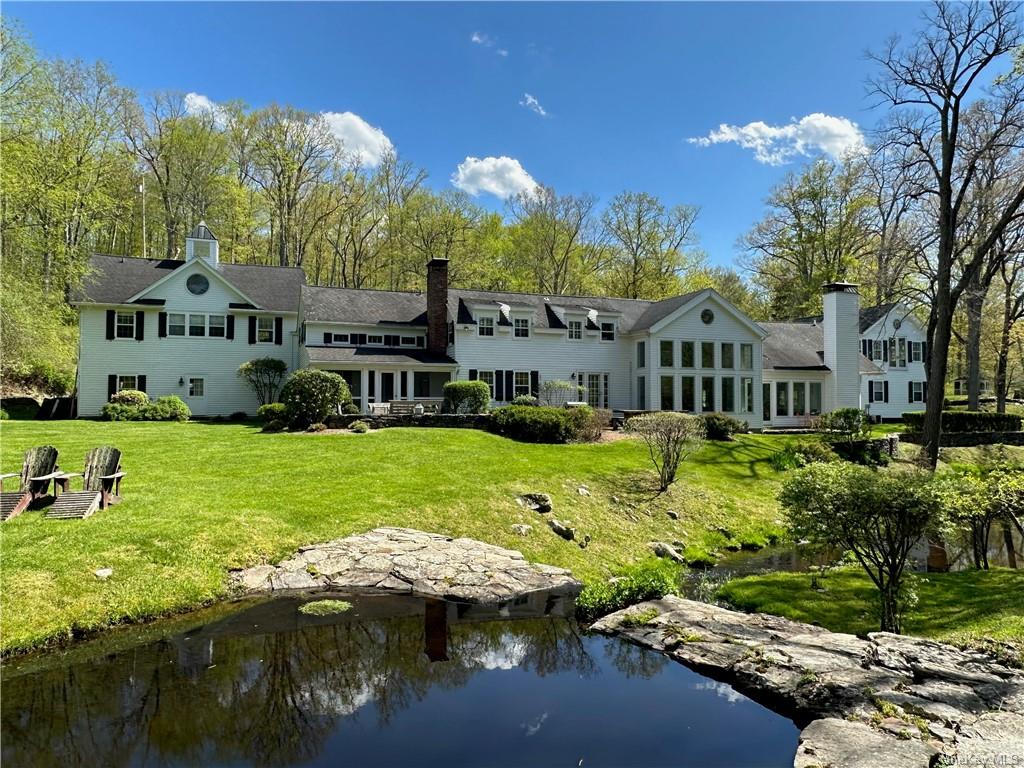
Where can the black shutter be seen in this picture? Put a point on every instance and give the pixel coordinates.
(140, 382)
(111, 385)
(161, 324)
(535, 383)
(404, 383)
(499, 386)
(372, 376)
(885, 351)
(328, 338)
(871, 391)
(472, 374)
(231, 327)
(924, 354)
(279, 330)
(419, 341)
(252, 329)
(111, 319)
(924, 391)
(885, 391)
(140, 325)
(510, 389)
(910, 391)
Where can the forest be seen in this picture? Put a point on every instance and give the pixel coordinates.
(929, 214)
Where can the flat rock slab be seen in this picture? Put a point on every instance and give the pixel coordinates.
(408, 561)
(888, 700)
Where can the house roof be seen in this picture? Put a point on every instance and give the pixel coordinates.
(202, 232)
(116, 279)
(868, 316)
(377, 356)
(363, 306)
(801, 346)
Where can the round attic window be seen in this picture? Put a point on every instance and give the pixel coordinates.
(896, 323)
(197, 284)
(707, 316)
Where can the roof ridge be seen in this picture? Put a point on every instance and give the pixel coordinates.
(375, 290)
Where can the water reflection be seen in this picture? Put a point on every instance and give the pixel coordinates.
(395, 681)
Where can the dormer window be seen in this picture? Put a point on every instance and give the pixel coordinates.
(521, 328)
(575, 330)
(485, 326)
(607, 331)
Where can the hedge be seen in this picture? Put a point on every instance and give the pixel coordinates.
(466, 396)
(542, 424)
(969, 421)
(310, 395)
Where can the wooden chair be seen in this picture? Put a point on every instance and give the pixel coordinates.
(39, 468)
(401, 408)
(101, 486)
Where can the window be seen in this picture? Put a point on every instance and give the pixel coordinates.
(641, 355)
(488, 378)
(340, 338)
(666, 355)
(265, 330)
(728, 394)
(747, 357)
(216, 325)
(916, 392)
(688, 393)
(485, 326)
(782, 399)
(408, 341)
(728, 350)
(375, 339)
(641, 393)
(175, 324)
(707, 354)
(196, 387)
(125, 325)
(799, 398)
(521, 328)
(901, 344)
(597, 390)
(747, 395)
(876, 391)
(575, 330)
(197, 325)
(707, 393)
(521, 383)
(915, 354)
(876, 350)
(668, 393)
(127, 382)
(607, 331)
(198, 284)
(686, 354)
(815, 398)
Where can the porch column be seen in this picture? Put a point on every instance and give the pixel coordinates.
(364, 390)
(379, 393)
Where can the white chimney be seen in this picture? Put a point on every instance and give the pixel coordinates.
(201, 243)
(841, 328)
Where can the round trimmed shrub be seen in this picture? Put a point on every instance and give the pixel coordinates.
(718, 426)
(274, 425)
(119, 412)
(350, 409)
(166, 408)
(466, 396)
(311, 395)
(535, 423)
(130, 397)
(359, 427)
(271, 412)
(524, 400)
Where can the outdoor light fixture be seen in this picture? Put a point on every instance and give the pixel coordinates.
(181, 381)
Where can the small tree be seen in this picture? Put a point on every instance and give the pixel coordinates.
(264, 375)
(557, 393)
(878, 516)
(845, 425)
(972, 502)
(670, 438)
(310, 395)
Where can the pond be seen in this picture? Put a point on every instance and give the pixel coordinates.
(393, 681)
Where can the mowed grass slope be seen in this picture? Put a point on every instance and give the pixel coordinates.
(200, 499)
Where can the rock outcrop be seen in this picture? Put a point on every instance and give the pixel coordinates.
(407, 561)
(887, 701)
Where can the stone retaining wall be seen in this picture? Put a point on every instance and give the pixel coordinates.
(445, 420)
(967, 439)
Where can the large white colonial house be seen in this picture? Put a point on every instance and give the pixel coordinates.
(184, 327)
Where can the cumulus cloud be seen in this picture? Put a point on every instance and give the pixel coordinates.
(501, 176)
(778, 144)
(360, 139)
(531, 103)
(198, 104)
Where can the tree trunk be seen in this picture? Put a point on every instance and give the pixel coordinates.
(975, 302)
(1003, 357)
(1011, 554)
(940, 332)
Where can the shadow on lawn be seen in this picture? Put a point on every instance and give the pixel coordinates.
(740, 458)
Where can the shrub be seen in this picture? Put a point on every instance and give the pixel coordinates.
(238, 416)
(558, 393)
(310, 395)
(350, 408)
(649, 580)
(670, 438)
(43, 376)
(264, 375)
(524, 400)
(130, 397)
(274, 425)
(802, 453)
(969, 421)
(718, 426)
(166, 408)
(119, 412)
(534, 423)
(359, 427)
(318, 426)
(844, 425)
(466, 396)
(271, 412)
(588, 423)
(3, 415)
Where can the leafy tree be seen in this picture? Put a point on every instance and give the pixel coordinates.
(264, 375)
(670, 438)
(311, 395)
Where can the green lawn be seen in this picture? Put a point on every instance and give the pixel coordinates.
(959, 607)
(202, 498)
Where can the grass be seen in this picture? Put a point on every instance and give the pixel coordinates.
(200, 499)
(960, 607)
(324, 607)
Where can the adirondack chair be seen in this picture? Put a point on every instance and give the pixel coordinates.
(101, 485)
(39, 468)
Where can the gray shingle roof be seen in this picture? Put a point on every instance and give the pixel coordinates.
(659, 310)
(115, 279)
(374, 355)
(868, 316)
(361, 305)
(800, 346)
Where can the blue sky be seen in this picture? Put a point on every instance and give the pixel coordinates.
(622, 87)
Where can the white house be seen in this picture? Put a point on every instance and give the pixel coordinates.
(184, 327)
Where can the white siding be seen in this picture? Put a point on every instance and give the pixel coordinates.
(897, 376)
(776, 379)
(165, 361)
(841, 326)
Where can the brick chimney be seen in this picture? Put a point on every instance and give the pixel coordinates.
(437, 306)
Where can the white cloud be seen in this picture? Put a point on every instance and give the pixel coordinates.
(531, 103)
(360, 139)
(502, 51)
(482, 38)
(198, 104)
(502, 176)
(778, 144)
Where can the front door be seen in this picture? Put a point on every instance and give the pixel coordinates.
(766, 402)
(387, 386)
(195, 394)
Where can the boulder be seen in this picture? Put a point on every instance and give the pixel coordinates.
(667, 551)
(522, 529)
(538, 502)
(562, 529)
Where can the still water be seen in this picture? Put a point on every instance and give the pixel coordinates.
(394, 681)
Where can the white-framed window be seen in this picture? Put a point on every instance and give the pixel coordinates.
(197, 325)
(707, 354)
(265, 330)
(521, 383)
(488, 378)
(666, 355)
(799, 398)
(728, 351)
(877, 391)
(595, 384)
(175, 324)
(917, 391)
(485, 326)
(641, 355)
(746, 394)
(901, 347)
(216, 326)
(575, 330)
(686, 354)
(747, 357)
(876, 350)
(408, 341)
(521, 328)
(728, 394)
(196, 386)
(340, 338)
(915, 351)
(607, 331)
(128, 381)
(815, 398)
(125, 326)
(375, 339)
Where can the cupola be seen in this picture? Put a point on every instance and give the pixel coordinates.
(201, 243)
